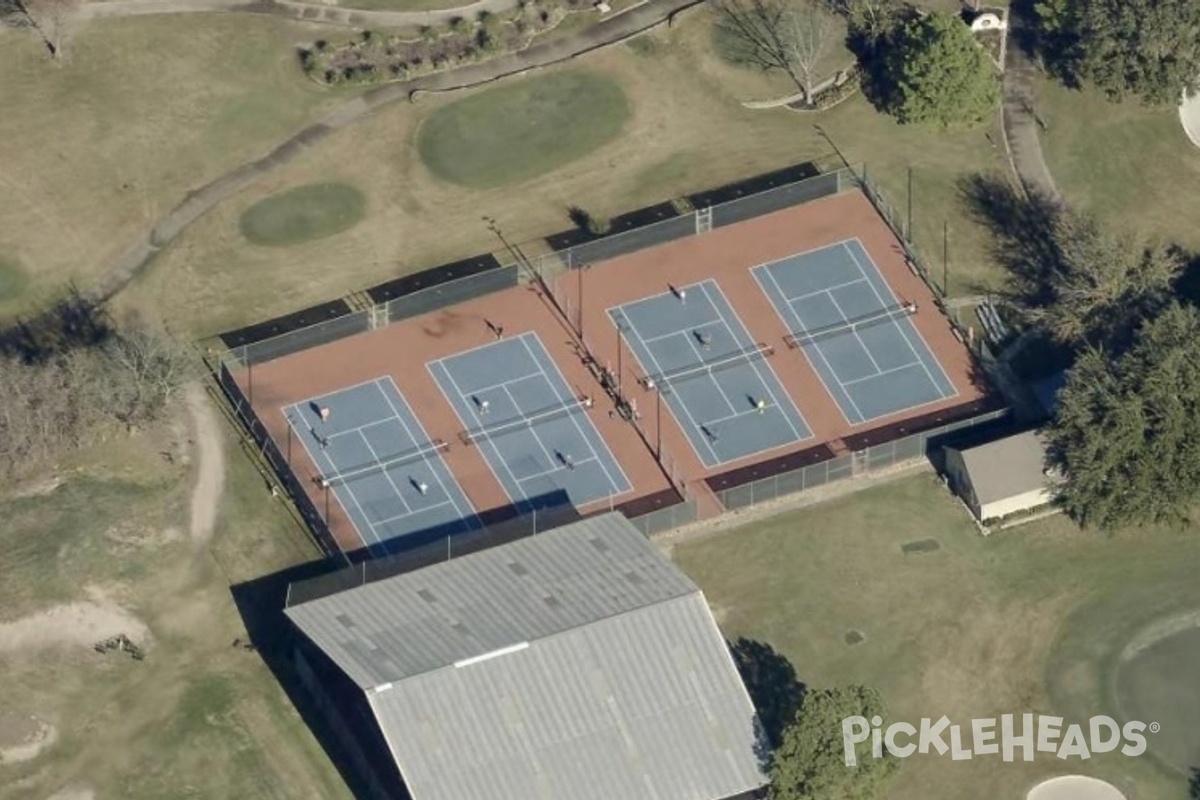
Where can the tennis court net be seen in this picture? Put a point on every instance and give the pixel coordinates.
(408, 457)
(745, 355)
(473, 435)
(854, 325)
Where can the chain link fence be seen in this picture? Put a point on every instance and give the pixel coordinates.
(870, 459)
(665, 519)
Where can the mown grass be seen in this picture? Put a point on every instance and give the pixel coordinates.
(1029, 620)
(517, 131)
(1131, 164)
(13, 283)
(196, 718)
(303, 214)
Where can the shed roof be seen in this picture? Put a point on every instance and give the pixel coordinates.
(1007, 467)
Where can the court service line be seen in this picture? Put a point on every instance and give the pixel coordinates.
(358, 428)
(799, 321)
(658, 368)
(685, 329)
(807, 295)
(504, 385)
(432, 465)
(332, 466)
(613, 486)
(903, 332)
(708, 372)
(462, 399)
(861, 343)
(909, 365)
(754, 366)
(414, 512)
(558, 469)
(386, 474)
(549, 458)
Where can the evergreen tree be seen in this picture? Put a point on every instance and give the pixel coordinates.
(937, 73)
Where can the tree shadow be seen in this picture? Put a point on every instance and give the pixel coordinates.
(74, 322)
(772, 684)
(1187, 286)
(1194, 784)
(1023, 240)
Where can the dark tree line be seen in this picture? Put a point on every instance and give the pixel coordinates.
(1126, 431)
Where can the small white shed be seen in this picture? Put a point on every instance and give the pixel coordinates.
(1002, 477)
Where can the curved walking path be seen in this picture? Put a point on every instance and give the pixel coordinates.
(616, 28)
(305, 12)
(1020, 122)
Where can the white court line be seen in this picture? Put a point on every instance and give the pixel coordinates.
(901, 328)
(313, 400)
(386, 474)
(471, 410)
(614, 488)
(737, 414)
(861, 343)
(658, 369)
(336, 496)
(754, 365)
(689, 329)
(827, 289)
(504, 384)
(558, 469)
(412, 513)
(909, 365)
(549, 458)
(708, 373)
(425, 459)
(359, 428)
(799, 323)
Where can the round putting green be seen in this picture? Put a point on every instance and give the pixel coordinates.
(303, 214)
(521, 130)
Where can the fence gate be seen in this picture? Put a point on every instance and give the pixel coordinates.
(379, 316)
(703, 219)
(859, 462)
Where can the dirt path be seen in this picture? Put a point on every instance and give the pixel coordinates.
(306, 12)
(210, 482)
(1020, 120)
(198, 202)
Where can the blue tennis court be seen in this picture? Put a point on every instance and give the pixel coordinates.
(534, 430)
(717, 382)
(855, 332)
(380, 464)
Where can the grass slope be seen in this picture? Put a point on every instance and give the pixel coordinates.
(1030, 620)
(523, 129)
(303, 214)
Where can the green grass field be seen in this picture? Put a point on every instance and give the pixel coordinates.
(303, 214)
(13, 282)
(523, 129)
(1029, 620)
(196, 718)
(1131, 164)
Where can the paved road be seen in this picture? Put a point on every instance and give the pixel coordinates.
(119, 273)
(307, 12)
(1020, 120)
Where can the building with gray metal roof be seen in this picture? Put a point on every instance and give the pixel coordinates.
(578, 664)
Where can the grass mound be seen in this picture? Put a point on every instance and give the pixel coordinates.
(516, 132)
(303, 214)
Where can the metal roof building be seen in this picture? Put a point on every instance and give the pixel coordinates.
(578, 664)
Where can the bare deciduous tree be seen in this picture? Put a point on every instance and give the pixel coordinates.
(788, 35)
(49, 19)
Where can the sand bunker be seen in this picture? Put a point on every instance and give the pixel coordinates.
(1074, 787)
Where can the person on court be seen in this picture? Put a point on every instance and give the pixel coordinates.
(326, 413)
(761, 405)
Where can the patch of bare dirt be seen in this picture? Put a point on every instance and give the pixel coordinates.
(210, 482)
(80, 623)
(73, 793)
(23, 736)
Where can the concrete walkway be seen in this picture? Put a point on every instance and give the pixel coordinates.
(1020, 121)
(306, 12)
(198, 202)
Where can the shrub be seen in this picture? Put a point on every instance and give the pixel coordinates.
(459, 25)
(429, 33)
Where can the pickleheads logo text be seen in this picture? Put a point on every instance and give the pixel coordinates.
(989, 737)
